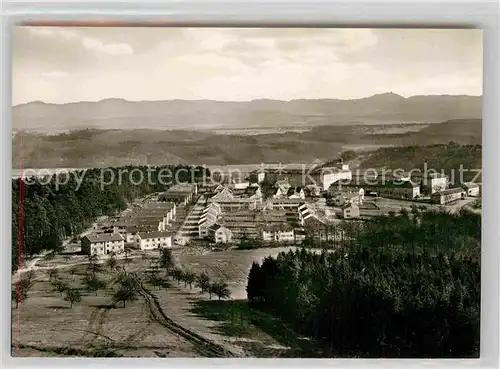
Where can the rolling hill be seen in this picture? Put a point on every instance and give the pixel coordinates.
(210, 115)
(99, 148)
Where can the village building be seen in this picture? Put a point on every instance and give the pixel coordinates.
(153, 240)
(181, 194)
(305, 211)
(330, 175)
(449, 195)
(341, 198)
(471, 189)
(312, 190)
(132, 231)
(282, 204)
(239, 184)
(282, 233)
(169, 209)
(434, 182)
(241, 204)
(208, 218)
(350, 211)
(222, 194)
(392, 189)
(220, 234)
(102, 244)
(281, 188)
(251, 192)
(296, 192)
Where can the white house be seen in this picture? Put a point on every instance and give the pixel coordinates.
(350, 211)
(471, 189)
(103, 244)
(447, 196)
(239, 184)
(282, 187)
(333, 174)
(296, 192)
(208, 218)
(436, 182)
(224, 194)
(220, 234)
(305, 212)
(153, 240)
(278, 233)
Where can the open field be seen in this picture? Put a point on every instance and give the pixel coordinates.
(231, 266)
(45, 320)
(160, 323)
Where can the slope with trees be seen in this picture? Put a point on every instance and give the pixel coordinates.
(409, 286)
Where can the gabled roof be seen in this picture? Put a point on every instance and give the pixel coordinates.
(104, 237)
(448, 191)
(216, 227)
(470, 185)
(349, 205)
(149, 235)
(181, 188)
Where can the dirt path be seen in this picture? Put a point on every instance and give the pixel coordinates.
(207, 347)
(95, 323)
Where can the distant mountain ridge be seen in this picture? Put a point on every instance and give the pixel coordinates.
(115, 113)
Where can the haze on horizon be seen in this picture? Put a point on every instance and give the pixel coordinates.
(71, 64)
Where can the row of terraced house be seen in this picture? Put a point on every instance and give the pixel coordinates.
(146, 226)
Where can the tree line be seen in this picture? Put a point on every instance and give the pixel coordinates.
(201, 280)
(43, 215)
(384, 294)
(417, 229)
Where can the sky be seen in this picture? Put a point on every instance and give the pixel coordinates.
(70, 64)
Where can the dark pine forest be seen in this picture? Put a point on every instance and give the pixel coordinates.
(44, 215)
(404, 286)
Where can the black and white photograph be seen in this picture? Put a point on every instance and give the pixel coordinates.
(246, 192)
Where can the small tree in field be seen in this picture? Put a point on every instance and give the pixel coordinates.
(20, 289)
(157, 281)
(18, 295)
(166, 260)
(95, 268)
(126, 252)
(203, 282)
(189, 278)
(127, 290)
(53, 273)
(59, 286)
(93, 283)
(111, 263)
(73, 295)
(177, 274)
(221, 290)
(124, 294)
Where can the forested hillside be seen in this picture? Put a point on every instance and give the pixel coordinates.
(44, 215)
(447, 157)
(407, 287)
